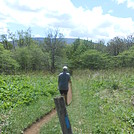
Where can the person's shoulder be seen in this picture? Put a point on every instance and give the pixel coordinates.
(60, 73)
(68, 74)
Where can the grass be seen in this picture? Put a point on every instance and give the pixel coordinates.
(21, 117)
(39, 89)
(102, 103)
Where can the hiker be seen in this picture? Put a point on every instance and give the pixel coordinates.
(63, 81)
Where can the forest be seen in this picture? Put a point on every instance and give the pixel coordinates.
(20, 53)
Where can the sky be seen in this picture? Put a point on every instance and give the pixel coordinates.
(86, 19)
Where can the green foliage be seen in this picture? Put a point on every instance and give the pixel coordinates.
(126, 59)
(1, 47)
(18, 90)
(24, 38)
(93, 59)
(76, 50)
(115, 46)
(86, 54)
(7, 63)
(53, 53)
(100, 46)
(23, 116)
(7, 45)
(31, 58)
(24, 99)
(38, 59)
(54, 45)
(22, 56)
(97, 107)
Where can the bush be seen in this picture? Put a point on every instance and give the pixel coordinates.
(7, 63)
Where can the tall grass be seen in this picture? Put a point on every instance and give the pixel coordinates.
(102, 103)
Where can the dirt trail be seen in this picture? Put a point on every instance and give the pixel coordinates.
(35, 128)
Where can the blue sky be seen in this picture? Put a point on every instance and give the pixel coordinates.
(118, 10)
(88, 19)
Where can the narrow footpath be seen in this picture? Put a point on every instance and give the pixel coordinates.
(35, 127)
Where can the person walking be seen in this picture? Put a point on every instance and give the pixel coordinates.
(63, 82)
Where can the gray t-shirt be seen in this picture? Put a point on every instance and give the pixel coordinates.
(63, 80)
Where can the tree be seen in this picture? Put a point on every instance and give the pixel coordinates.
(5, 42)
(77, 49)
(38, 59)
(100, 46)
(115, 46)
(53, 44)
(24, 38)
(22, 56)
(12, 36)
(126, 58)
(93, 59)
(7, 63)
(129, 41)
(27, 37)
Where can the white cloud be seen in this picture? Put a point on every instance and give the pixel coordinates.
(37, 35)
(110, 11)
(3, 28)
(74, 22)
(120, 1)
(130, 3)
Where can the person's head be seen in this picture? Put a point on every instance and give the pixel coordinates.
(65, 68)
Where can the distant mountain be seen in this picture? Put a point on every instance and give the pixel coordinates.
(67, 40)
(38, 39)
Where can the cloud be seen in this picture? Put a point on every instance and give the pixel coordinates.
(130, 3)
(73, 22)
(120, 1)
(37, 35)
(110, 11)
(3, 28)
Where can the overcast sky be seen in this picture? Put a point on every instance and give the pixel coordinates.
(92, 19)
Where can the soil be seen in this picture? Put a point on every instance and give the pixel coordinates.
(35, 127)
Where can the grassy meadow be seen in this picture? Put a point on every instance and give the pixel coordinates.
(102, 103)
(25, 99)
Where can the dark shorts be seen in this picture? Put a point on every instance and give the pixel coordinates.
(63, 92)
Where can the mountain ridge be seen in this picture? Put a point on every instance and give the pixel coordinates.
(67, 40)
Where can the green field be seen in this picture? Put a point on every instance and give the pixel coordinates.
(102, 104)
(24, 99)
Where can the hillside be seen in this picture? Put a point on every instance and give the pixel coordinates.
(67, 40)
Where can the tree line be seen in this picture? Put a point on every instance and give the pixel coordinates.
(22, 53)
